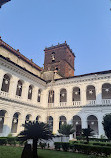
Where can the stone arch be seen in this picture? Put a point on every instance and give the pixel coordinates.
(28, 118)
(15, 121)
(62, 120)
(6, 83)
(77, 124)
(90, 92)
(38, 118)
(92, 122)
(63, 95)
(76, 94)
(3, 115)
(30, 90)
(39, 95)
(50, 122)
(51, 96)
(19, 88)
(106, 91)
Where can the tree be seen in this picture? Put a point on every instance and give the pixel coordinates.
(87, 132)
(107, 125)
(66, 129)
(35, 131)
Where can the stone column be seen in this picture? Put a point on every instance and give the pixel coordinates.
(25, 89)
(7, 125)
(34, 94)
(83, 95)
(13, 86)
(55, 124)
(100, 126)
(69, 96)
(84, 122)
(2, 73)
(56, 97)
(99, 93)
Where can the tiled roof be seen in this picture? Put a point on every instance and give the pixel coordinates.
(19, 55)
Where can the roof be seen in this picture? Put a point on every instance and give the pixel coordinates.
(89, 74)
(18, 54)
(3, 2)
(7, 59)
(58, 46)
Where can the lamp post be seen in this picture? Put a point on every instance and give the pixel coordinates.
(2, 2)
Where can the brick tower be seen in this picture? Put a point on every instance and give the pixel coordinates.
(60, 58)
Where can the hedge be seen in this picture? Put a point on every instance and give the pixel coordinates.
(84, 148)
(10, 140)
(92, 139)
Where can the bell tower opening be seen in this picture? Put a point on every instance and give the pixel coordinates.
(60, 58)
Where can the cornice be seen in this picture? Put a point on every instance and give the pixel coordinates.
(79, 80)
(21, 102)
(21, 71)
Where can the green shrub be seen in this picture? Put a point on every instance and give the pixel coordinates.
(57, 145)
(93, 149)
(3, 141)
(42, 145)
(65, 146)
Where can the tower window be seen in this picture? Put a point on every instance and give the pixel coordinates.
(53, 56)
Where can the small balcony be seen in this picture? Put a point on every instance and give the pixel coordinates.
(62, 103)
(106, 101)
(18, 97)
(4, 94)
(91, 102)
(76, 103)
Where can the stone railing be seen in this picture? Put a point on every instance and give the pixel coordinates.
(4, 94)
(76, 103)
(18, 97)
(63, 104)
(91, 102)
(106, 101)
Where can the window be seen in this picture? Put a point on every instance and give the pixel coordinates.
(30, 92)
(90, 93)
(63, 95)
(51, 96)
(5, 83)
(19, 88)
(53, 56)
(39, 95)
(76, 94)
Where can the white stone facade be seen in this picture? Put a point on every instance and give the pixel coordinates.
(82, 108)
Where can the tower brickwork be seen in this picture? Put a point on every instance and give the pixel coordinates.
(60, 58)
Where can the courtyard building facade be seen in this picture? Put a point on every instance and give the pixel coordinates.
(53, 95)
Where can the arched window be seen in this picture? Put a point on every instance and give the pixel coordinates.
(76, 94)
(53, 56)
(39, 95)
(106, 91)
(19, 88)
(28, 118)
(5, 83)
(51, 96)
(62, 120)
(63, 95)
(77, 125)
(38, 118)
(2, 118)
(92, 122)
(30, 92)
(50, 123)
(15, 122)
(90, 93)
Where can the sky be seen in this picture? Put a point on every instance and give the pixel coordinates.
(32, 25)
